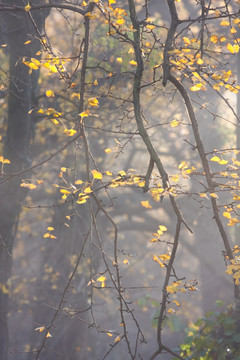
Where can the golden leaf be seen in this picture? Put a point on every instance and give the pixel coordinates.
(146, 204)
(214, 39)
(50, 93)
(133, 62)
(96, 174)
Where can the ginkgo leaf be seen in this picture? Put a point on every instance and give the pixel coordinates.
(93, 101)
(213, 195)
(150, 27)
(120, 21)
(27, 8)
(224, 23)
(109, 334)
(29, 186)
(4, 161)
(174, 123)
(48, 335)
(65, 191)
(50, 228)
(162, 228)
(133, 62)
(125, 261)
(117, 339)
(78, 182)
(196, 87)
(102, 279)
(85, 113)
(214, 39)
(50, 93)
(108, 150)
(227, 215)
(146, 204)
(215, 158)
(40, 329)
(70, 132)
(96, 174)
(119, 59)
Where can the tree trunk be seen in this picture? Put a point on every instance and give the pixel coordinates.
(18, 28)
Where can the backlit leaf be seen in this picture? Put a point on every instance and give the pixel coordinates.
(146, 204)
(96, 174)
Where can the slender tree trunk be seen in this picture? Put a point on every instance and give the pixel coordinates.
(19, 28)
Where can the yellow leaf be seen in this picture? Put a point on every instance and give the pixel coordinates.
(203, 195)
(150, 27)
(196, 87)
(176, 302)
(122, 173)
(200, 61)
(108, 150)
(109, 173)
(70, 132)
(40, 329)
(223, 162)
(65, 191)
(63, 169)
(120, 21)
(131, 51)
(96, 174)
(50, 228)
(109, 334)
(27, 42)
(27, 8)
(230, 48)
(119, 59)
(88, 190)
(214, 39)
(215, 158)
(48, 335)
(186, 40)
(227, 215)
(50, 93)
(29, 186)
(46, 235)
(82, 199)
(171, 311)
(222, 39)
(162, 228)
(117, 339)
(146, 204)
(125, 261)
(174, 123)
(233, 30)
(224, 23)
(93, 101)
(95, 82)
(133, 62)
(85, 113)
(233, 221)
(102, 279)
(213, 195)
(55, 121)
(156, 259)
(78, 182)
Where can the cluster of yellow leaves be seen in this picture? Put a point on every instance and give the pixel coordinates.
(158, 233)
(48, 234)
(221, 79)
(162, 260)
(180, 286)
(234, 269)
(41, 329)
(53, 64)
